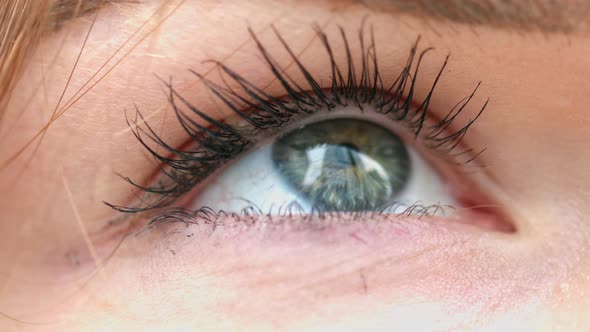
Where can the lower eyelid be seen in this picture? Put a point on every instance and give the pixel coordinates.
(288, 239)
(296, 262)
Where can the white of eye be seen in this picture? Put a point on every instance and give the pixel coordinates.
(254, 181)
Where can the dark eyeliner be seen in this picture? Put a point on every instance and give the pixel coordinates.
(216, 142)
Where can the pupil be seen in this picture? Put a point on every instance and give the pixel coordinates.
(339, 165)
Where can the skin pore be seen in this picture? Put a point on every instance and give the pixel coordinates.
(66, 263)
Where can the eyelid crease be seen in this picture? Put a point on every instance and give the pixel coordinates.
(219, 142)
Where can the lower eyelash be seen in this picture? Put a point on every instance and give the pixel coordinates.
(292, 213)
(218, 142)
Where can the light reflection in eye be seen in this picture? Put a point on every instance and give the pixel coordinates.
(338, 164)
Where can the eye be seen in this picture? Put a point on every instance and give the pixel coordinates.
(353, 142)
(336, 164)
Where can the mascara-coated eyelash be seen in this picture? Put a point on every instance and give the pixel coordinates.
(215, 142)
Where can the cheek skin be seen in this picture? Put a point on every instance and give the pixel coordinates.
(293, 274)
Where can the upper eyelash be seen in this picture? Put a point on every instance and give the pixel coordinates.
(218, 142)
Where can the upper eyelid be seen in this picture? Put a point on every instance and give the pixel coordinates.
(398, 98)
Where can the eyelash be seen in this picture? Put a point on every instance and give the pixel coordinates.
(218, 142)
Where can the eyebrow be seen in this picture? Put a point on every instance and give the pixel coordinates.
(549, 16)
(62, 11)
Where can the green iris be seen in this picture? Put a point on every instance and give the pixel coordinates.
(343, 164)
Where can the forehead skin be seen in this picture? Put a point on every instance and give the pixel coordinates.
(535, 131)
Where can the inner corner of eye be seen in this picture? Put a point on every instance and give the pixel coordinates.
(342, 163)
